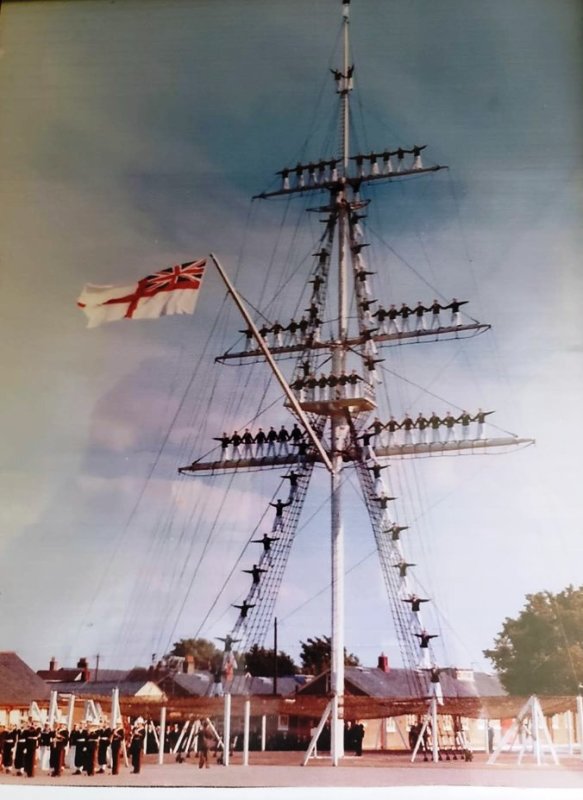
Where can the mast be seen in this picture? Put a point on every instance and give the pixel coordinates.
(338, 431)
(346, 400)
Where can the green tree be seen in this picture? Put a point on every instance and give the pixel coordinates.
(259, 661)
(316, 653)
(541, 651)
(205, 652)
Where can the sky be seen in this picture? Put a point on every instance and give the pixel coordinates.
(133, 135)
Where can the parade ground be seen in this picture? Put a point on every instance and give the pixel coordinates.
(505, 779)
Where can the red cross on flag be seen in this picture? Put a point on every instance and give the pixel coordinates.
(173, 290)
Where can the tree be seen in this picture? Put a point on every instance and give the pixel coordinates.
(259, 661)
(205, 652)
(316, 655)
(541, 652)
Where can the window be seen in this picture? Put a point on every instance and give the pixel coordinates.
(283, 722)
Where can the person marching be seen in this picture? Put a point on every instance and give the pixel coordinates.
(32, 735)
(8, 748)
(80, 744)
(103, 744)
(91, 749)
(206, 740)
(57, 755)
(136, 744)
(44, 748)
(20, 751)
(117, 739)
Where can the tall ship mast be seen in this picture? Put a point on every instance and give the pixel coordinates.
(331, 395)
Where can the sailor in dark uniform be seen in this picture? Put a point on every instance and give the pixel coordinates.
(260, 439)
(80, 742)
(449, 421)
(382, 315)
(377, 428)
(378, 481)
(102, 747)
(266, 541)
(58, 745)
(225, 440)
(292, 477)
(434, 422)
(279, 505)
(255, 572)
(392, 426)
(277, 329)
(303, 448)
(248, 338)
(403, 566)
(298, 385)
(367, 450)
(419, 312)
(32, 735)
(136, 743)
(393, 314)
(404, 313)
(424, 638)
(236, 441)
(480, 418)
(244, 608)
(271, 442)
(455, 305)
(117, 739)
(283, 439)
(91, 749)
(465, 420)
(322, 386)
(8, 748)
(370, 364)
(303, 326)
(421, 423)
(44, 746)
(352, 381)
(296, 434)
(415, 602)
(435, 308)
(292, 328)
(20, 751)
(407, 425)
(395, 531)
(247, 440)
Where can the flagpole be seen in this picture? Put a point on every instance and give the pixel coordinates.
(276, 371)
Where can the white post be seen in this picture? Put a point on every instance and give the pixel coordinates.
(70, 712)
(434, 733)
(162, 735)
(227, 730)
(568, 717)
(536, 728)
(53, 708)
(487, 737)
(263, 732)
(246, 719)
(580, 724)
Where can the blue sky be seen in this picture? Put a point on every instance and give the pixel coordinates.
(133, 135)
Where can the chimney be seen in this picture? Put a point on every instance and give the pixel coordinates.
(189, 665)
(53, 664)
(82, 664)
(383, 663)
